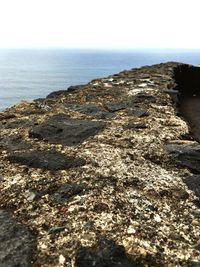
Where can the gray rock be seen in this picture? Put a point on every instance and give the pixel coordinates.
(186, 155)
(32, 195)
(105, 254)
(138, 113)
(197, 247)
(65, 92)
(66, 191)
(20, 123)
(60, 129)
(194, 264)
(115, 106)
(17, 244)
(56, 229)
(89, 109)
(193, 183)
(47, 160)
(14, 144)
(141, 98)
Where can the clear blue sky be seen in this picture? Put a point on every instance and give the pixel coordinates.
(100, 23)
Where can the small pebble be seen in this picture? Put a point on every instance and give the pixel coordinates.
(56, 229)
(196, 222)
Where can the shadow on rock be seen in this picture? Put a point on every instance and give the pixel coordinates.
(47, 160)
(105, 254)
(17, 244)
(185, 155)
(60, 129)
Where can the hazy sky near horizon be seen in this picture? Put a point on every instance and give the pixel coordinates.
(100, 23)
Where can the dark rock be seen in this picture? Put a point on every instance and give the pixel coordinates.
(19, 124)
(76, 87)
(57, 93)
(39, 100)
(130, 103)
(65, 92)
(197, 247)
(177, 193)
(186, 155)
(133, 181)
(32, 195)
(89, 109)
(115, 106)
(193, 183)
(47, 160)
(142, 98)
(6, 116)
(60, 129)
(17, 244)
(56, 229)
(101, 207)
(14, 144)
(194, 264)
(105, 254)
(135, 126)
(66, 191)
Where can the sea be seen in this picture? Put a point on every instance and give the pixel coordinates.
(27, 74)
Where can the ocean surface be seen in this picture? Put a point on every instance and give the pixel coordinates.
(27, 74)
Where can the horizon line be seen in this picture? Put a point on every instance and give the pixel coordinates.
(101, 48)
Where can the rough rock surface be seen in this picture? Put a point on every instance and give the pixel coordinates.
(17, 244)
(132, 190)
(60, 129)
(186, 155)
(193, 183)
(46, 160)
(90, 109)
(105, 254)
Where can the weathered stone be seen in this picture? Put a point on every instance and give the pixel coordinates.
(186, 155)
(65, 92)
(14, 144)
(32, 195)
(193, 183)
(56, 229)
(140, 98)
(60, 129)
(115, 106)
(21, 123)
(89, 109)
(17, 244)
(66, 191)
(105, 254)
(197, 247)
(47, 160)
(194, 264)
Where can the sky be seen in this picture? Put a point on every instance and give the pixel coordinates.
(100, 23)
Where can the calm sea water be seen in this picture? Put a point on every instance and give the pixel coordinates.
(33, 73)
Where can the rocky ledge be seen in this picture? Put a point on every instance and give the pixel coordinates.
(105, 174)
